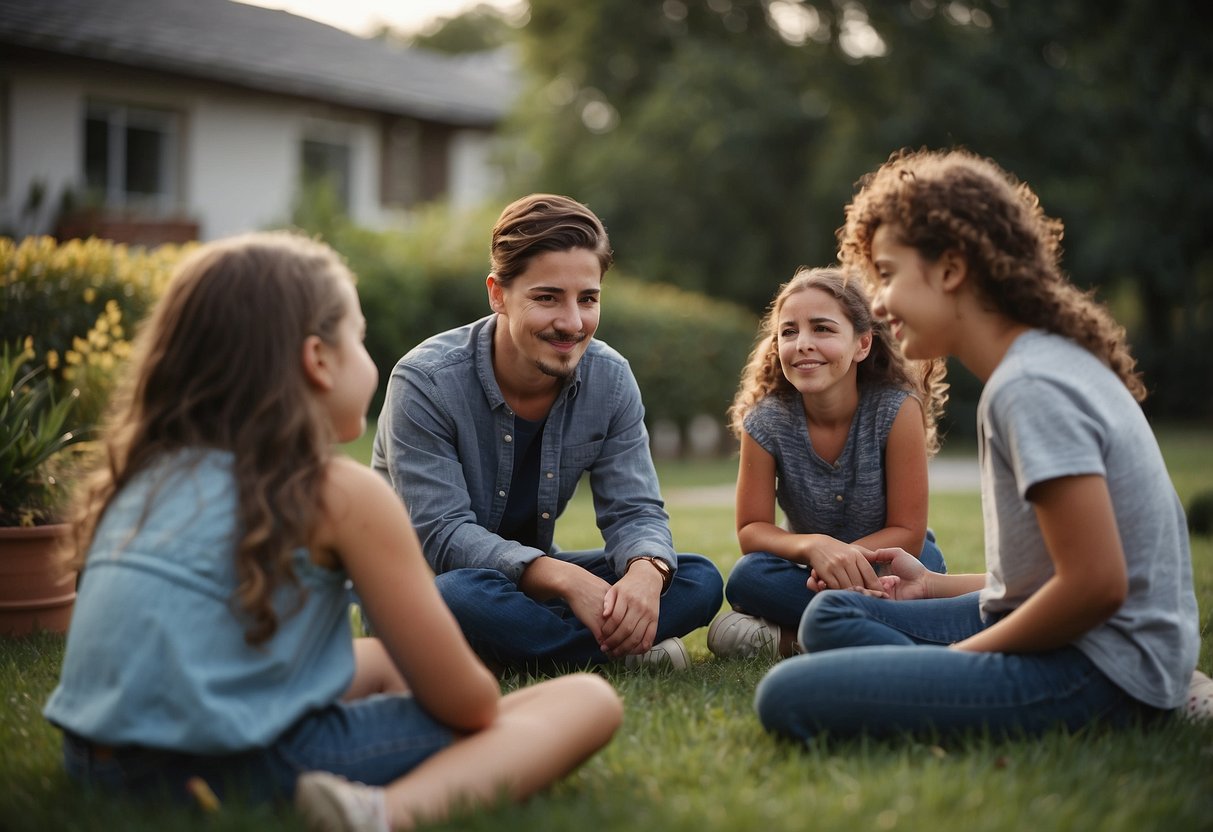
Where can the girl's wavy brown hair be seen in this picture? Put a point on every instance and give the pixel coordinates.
(218, 366)
(884, 364)
(956, 201)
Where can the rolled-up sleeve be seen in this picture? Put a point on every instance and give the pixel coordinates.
(627, 498)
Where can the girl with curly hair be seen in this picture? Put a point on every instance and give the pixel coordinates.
(1086, 611)
(210, 649)
(836, 427)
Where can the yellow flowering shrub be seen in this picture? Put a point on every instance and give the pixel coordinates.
(76, 304)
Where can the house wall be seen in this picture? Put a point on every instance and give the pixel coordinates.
(41, 146)
(244, 162)
(241, 164)
(240, 151)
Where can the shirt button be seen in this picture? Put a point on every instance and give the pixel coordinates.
(546, 516)
(838, 497)
(509, 438)
(500, 493)
(550, 475)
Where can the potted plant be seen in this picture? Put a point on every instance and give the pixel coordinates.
(36, 591)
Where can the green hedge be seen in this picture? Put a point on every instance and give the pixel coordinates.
(75, 306)
(416, 283)
(79, 302)
(686, 349)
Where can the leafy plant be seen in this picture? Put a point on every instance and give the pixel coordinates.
(32, 432)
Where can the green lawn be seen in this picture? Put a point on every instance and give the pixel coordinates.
(691, 755)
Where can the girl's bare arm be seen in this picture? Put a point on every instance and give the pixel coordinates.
(368, 529)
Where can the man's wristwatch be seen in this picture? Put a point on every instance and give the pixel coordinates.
(663, 568)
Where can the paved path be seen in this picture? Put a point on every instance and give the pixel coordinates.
(954, 473)
(947, 475)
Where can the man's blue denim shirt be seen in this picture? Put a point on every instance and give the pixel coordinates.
(444, 441)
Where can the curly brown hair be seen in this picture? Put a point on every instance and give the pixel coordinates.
(884, 364)
(957, 201)
(217, 366)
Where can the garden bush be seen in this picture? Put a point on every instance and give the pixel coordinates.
(79, 301)
(415, 283)
(74, 306)
(686, 349)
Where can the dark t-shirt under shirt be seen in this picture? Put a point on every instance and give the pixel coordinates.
(519, 521)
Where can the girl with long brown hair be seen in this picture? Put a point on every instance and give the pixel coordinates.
(211, 640)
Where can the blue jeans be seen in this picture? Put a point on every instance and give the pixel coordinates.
(508, 628)
(375, 740)
(774, 588)
(897, 675)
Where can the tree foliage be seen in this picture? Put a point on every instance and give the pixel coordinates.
(720, 139)
(483, 27)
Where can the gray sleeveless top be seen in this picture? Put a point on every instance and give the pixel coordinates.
(845, 500)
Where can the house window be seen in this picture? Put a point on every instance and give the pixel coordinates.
(400, 161)
(130, 156)
(327, 164)
(415, 162)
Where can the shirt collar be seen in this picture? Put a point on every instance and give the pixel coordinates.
(488, 379)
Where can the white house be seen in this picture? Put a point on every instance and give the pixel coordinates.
(166, 119)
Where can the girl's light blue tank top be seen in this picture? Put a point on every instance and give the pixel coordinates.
(156, 655)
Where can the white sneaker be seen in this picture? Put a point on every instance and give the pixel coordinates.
(671, 654)
(1200, 697)
(330, 803)
(735, 635)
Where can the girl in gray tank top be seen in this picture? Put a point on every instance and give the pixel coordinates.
(833, 431)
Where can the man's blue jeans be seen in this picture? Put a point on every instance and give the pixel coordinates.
(508, 628)
(774, 588)
(896, 674)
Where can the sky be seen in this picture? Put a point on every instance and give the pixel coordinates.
(362, 17)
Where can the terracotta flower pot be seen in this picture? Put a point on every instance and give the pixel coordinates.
(35, 592)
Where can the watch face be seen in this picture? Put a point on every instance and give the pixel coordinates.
(663, 569)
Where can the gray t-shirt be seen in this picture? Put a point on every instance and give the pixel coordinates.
(846, 499)
(1052, 409)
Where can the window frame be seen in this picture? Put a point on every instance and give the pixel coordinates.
(333, 136)
(119, 119)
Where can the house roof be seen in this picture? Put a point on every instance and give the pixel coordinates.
(262, 49)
